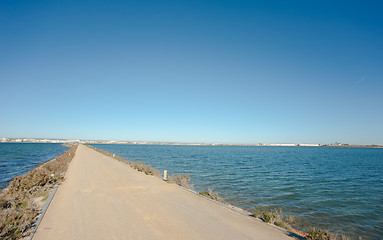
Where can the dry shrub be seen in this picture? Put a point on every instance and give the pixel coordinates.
(210, 194)
(19, 202)
(145, 168)
(319, 234)
(183, 181)
(276, 218)
(279, 219)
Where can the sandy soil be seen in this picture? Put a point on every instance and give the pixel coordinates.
(103, 198)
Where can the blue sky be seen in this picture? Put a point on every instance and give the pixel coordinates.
(193, 71)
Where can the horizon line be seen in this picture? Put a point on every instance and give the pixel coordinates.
(6, 139)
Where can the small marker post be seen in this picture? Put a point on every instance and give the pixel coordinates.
(165, 175)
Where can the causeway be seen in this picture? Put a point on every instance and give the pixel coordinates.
(103, 198)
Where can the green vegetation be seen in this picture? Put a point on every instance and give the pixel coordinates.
(276, 218)
(22, 201)
(319, 234)
(145, 168)
(210, 194)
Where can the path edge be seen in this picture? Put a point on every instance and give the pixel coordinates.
(43, 210)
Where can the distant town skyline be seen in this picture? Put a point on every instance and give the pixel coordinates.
(89, 141)
(192, 71)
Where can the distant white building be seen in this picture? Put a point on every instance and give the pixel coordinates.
(308, 145)
(284, 145)
(278, 144)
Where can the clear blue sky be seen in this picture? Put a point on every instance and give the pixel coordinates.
(193, 71)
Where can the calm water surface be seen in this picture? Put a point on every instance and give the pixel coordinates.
(339, 189)
(18, 158)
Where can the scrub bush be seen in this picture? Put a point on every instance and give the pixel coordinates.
(276, 218)
(183, 181)
(210, 194)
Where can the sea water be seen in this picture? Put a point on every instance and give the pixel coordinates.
(336, 189)
(18, 158)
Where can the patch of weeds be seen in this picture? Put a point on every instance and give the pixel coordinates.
(183, 181)
(276, 218)
(319, 234)
(210, 194)
(145, 168)
(45, 197)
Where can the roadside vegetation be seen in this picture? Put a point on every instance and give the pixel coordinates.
(210, 194)
(139, 166)
(183, 181)
(276, 218)
(22, 200)
(145, 168)
(319, 234)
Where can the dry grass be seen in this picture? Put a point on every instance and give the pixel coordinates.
(183, 181)
(145, 168)
(21, 202)
(210, 194)
(319, 234)
(276, 218)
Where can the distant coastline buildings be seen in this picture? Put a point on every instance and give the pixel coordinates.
(33, 140)
(290, 144)
(37, 140)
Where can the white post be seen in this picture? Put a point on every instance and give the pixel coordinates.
(165, 175)
(114, 155)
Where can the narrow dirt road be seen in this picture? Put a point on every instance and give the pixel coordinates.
(103, 198)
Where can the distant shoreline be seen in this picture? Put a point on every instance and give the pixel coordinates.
(68, 142)
(241, 145)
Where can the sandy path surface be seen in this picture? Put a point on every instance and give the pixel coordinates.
(103, 198)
